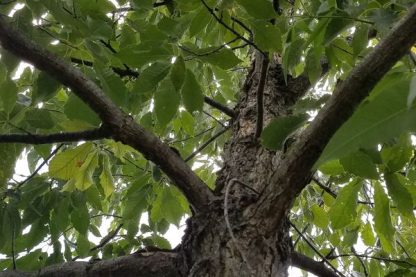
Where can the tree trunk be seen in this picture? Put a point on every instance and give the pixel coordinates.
(208, 245)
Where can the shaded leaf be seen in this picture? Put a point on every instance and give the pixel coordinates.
(274, 135)
(343, 211)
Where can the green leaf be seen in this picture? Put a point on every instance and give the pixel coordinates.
(381, 117)
(76, 109)
(292, 55)
(412, 92)
(336, 25)
(382, 220)
(259, 9)
(83, 246)
(332, 168)
(397, 156)
(343, 212)
(178, 73)
(199, 21)
(106, 178)
(166, 102)
(80, 219)
(136, 199)
(151, 76)
(45, 88)
(267, 36)
(166, 206)
(38, 118)
(9, 153)
(144, 53)
(320, 218)
(274, 135)
(367, 235)
(112, 85)
(192, 95)
(83, 176)
(66, 164)
(360, 164)
(313, 64)
(400, 195)
(360, 39)
(224, 58)
(8, 95)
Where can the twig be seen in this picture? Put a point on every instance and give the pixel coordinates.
(372, 257)
(220, 21)
(360, 260)
(213, 51)
(104, 241)
(227, 222)
(304, 262)
(215, 119)
(315, 250)
(119, 71)
(29, 138)
(208, 142)
(219, 106)
(45, 161)
(260, 92)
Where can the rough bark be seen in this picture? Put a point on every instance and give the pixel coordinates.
(247, 169)
(149, 264)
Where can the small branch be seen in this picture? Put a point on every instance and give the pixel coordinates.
(93, 134)
(220, 21)
(119, 71)
(372, 257)
(213, 51)
(315, 250)
(260, 93)
(219, 106)
(208, 142)
(360, 260)
(104, 240)
(45, 161)
(308, 264)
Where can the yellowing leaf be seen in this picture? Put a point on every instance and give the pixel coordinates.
(106, 179)
(66, 164)
(83, 177)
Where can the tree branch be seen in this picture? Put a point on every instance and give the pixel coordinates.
(308, 264)
(93, 134)
(219, 106)
(152, 264)
(294, 170)
(310, 244)
(122, 127)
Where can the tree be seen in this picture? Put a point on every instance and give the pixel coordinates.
(309, 112)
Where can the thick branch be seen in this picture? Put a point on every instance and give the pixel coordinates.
(151, 264)
(122, 127)
(294, 171)
(308, 264)
(93, 134)
(219, 106)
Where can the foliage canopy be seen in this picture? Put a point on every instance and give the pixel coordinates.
(162, 62)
